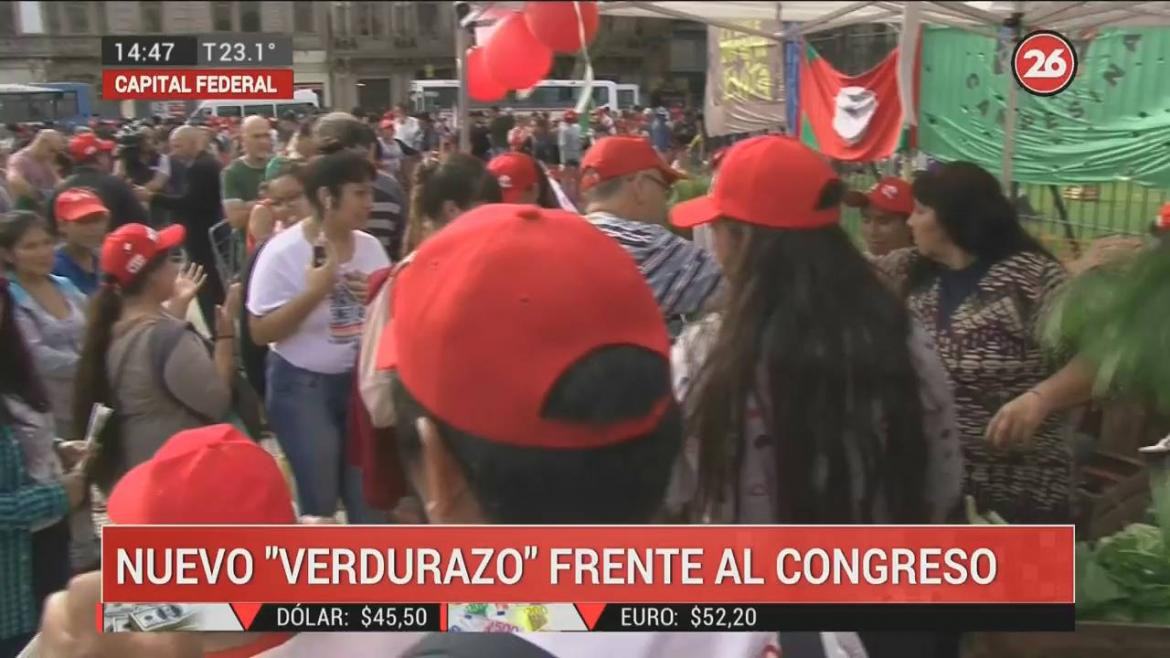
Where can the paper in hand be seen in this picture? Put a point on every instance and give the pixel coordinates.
(98, 416)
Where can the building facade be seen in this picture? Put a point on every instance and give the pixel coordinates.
(353, 54)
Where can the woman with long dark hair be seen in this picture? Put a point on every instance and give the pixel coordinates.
(442, 189)
(813, 396)
(141, 358)
(50, 308)
(979, 283)
(35, 491)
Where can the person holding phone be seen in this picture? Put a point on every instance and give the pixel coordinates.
(307, 302)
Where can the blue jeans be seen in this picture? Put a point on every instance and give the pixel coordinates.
(307, 410)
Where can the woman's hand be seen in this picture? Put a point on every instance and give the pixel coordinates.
(320, 278)
(191, 278)
(72, 452)
(1018, 420)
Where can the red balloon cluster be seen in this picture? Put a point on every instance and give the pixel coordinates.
(519, 53)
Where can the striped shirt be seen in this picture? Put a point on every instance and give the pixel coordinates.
(23, 504)
(682, 275)
(388, 219)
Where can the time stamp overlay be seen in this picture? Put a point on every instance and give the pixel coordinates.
(197, 67)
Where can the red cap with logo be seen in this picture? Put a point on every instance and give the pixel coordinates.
(86, 145)
(890, 194)
(772, 181)
(209, 474)
(516, 173)
(612, 157)
(131, 246)
(497, 306)
(78, 203)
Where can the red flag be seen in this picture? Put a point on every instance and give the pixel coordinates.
(850, 118)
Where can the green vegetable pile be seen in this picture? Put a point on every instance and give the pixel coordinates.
(1126, 577)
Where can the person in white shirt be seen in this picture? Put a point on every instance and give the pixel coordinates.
(307, 301)
(407, 128)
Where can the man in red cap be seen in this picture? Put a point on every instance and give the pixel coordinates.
(626, 186)
(884, 211)
(91, 158)
(82, 221)
(207, 475)
(555, 325)
(518, 177)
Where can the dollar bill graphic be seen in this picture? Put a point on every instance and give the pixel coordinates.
(165, 617)
(117, 623)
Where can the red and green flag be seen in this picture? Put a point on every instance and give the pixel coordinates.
(850, 118)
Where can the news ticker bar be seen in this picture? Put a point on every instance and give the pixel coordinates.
(217, 50)
(568, 617)
(732, 565)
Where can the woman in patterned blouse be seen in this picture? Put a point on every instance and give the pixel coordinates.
(25, 503)
(978, 282)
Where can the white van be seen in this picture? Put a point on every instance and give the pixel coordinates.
(302, 101)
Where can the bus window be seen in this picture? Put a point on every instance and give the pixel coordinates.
(627, 98)
(227, 111)
(67, 105)
(41, 107)
(264, 110)
(601, 97)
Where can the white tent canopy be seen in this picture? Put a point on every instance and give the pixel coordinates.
(821, 16)
(812, 17)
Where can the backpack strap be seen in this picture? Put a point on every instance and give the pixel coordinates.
(164, 338)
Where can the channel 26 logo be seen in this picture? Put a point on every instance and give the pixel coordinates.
(1044, 63)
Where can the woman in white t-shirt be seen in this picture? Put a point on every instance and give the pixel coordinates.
(307, 301)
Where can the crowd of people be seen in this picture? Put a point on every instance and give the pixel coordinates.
(521, 334)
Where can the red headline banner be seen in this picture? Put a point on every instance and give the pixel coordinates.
(197, 84)
(663, 564)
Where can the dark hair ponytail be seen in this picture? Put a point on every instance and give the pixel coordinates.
(92, 383)
(459, 178)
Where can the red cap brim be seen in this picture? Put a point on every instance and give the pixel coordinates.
(84, 210)
(694, 212)
(171, 236)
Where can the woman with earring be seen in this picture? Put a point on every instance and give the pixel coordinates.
(307, 302)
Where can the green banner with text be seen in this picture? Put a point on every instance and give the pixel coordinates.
(1112, 123)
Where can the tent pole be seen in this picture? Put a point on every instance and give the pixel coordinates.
(464, 114)
(1013, 26)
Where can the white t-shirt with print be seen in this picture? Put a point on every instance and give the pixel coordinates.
(328, 339)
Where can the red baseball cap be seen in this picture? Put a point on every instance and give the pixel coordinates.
(515, 172)
(890, 194)
(209, 474)
(570, 116)
(78, 203)
(611, 157)
(131, 246)
(497, 306)
(772, 181)
(85, 145)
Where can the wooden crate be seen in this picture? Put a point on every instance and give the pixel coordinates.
(1091, 640)
(1113, 491)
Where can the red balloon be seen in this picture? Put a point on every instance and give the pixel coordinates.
(481, 86)
(555, 24)
(514, 57)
